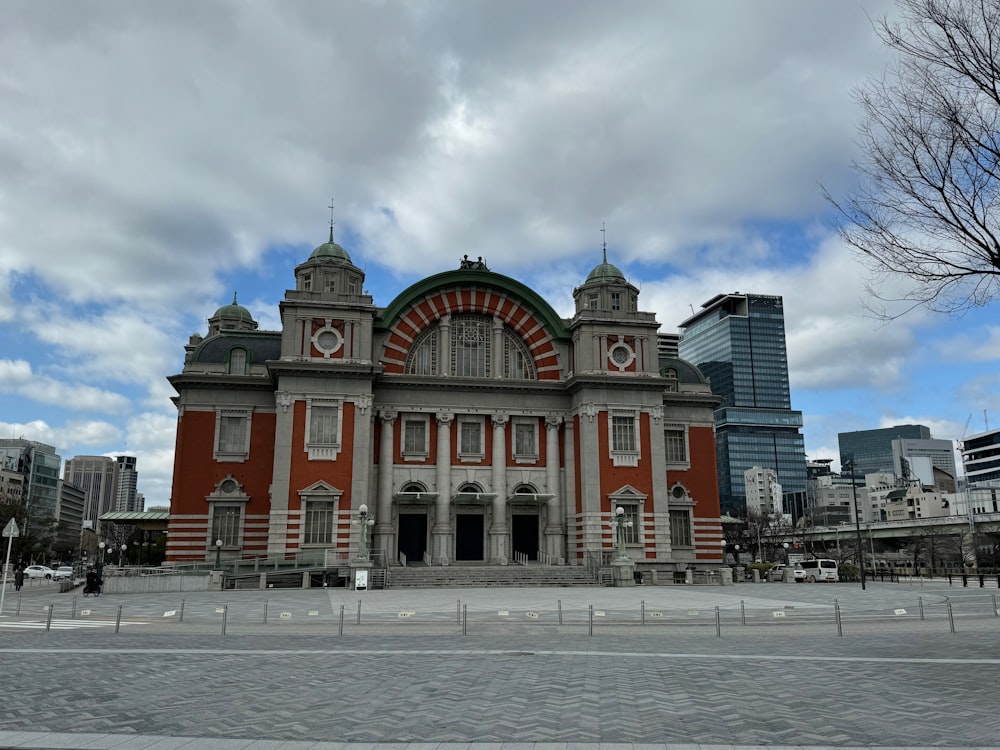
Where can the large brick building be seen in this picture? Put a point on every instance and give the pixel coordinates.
(473, 421)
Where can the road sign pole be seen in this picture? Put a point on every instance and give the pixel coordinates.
(10, 531)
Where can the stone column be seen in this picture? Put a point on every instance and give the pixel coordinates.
(383, 531)
(444, 346)
(554, 529)
(499, 532)
(441, 531)
(496, 358)
(569, 501)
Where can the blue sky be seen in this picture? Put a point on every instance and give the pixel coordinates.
(157, 157)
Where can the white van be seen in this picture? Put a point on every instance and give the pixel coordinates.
(817, 570)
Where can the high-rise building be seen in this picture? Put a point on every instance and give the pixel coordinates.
(466, 416)
(125, 494)
(918, 459)
(763, 491)
(871, 450)
(39, 464)
(738, 342)
(981, 457)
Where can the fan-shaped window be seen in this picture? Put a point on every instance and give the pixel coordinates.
(423, 359)
(474, 351)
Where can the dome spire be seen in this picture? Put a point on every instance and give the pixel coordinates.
(234, 298)
(604, 242)
(331, 219)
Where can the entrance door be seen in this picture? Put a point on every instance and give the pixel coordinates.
(524, 535)
(469, 536)
(413, 536)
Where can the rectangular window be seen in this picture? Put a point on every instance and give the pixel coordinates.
(592, 301)
(323, 429)
(323, 425)
(415, 436)
(623, 433)
(630, 523)
(320, 524)
(232, 434)
(676, 445)
(524, 440)
(307, 281)
(680, 528)
(616, 300)
(237, 361)
(226, 525)
(470, 437)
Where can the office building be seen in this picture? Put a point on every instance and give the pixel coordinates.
(125, 494)
(981, 457)
(871, 450)
(738, 342)
(97, 476)
(39, 464)
(473, 423)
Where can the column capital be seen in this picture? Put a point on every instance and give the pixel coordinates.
(553, 421)
(388, 415)
(500, 419)
(444, 417)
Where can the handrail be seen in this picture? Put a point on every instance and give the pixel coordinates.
(402, 558)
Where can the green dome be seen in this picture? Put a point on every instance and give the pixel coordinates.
(605, 272)
(330, 249)
(233, 311)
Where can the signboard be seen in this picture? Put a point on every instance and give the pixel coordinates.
(360, 580)
(11, 530)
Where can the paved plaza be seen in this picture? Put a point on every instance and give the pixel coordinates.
(751, 665)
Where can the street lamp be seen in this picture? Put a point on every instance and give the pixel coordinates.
(784, 546)
(619, 524)
(736, 553)
(100, 559)
(121, 554)
(218, 554)
(844, 466)
(365, 523)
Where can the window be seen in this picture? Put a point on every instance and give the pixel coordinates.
(517, 362)
(320, 521)
(676, 445)
(307, 281)
(592, 301)
(424, 354)
(331, 285)
(323, 429)
(616, 300)
(226, 525)
(470, 347)
(232, 434)
(415, 436)
(680, 528)
(237, 361)
(630, 519)
(470, 438)
(525, 439)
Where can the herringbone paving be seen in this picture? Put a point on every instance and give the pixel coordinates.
(298, 684)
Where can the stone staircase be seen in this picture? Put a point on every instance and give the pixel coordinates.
(484, 576)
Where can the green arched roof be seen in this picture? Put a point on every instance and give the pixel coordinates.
(481, 280)
(233, 311)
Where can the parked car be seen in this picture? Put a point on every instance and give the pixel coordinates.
(64, 573)
(799, 574)
(39, 571)
(777, 573)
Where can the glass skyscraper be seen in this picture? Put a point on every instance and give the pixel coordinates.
(871, 450)
(738, 342)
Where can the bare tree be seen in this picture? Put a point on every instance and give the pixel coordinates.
(925, 207)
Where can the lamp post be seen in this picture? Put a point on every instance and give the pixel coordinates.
(784, 546)
(849, 465)
(366, 523)
(121, 555)
(218, 554)
(736, 553)
(619, 524)
(99, 568)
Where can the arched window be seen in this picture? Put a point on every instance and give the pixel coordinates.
(423, 359)
(473, 352)
(237, 361)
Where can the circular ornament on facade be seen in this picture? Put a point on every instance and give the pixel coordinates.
(621, 355)
(328, 340)
(228, 486)
(678, 492)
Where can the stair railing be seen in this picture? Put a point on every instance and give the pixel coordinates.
(402, 558)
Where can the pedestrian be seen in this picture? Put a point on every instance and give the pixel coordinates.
(18, 578)
(93, 585)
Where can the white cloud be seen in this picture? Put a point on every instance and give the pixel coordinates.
(67, 439)
(17, 378)
(984, 346)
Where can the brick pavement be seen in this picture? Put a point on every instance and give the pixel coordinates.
(292, 685)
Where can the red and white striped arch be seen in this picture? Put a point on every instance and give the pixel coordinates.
(470, 300)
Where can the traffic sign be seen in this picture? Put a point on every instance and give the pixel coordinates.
(11, 530)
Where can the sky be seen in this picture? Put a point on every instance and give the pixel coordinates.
(156, 158)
